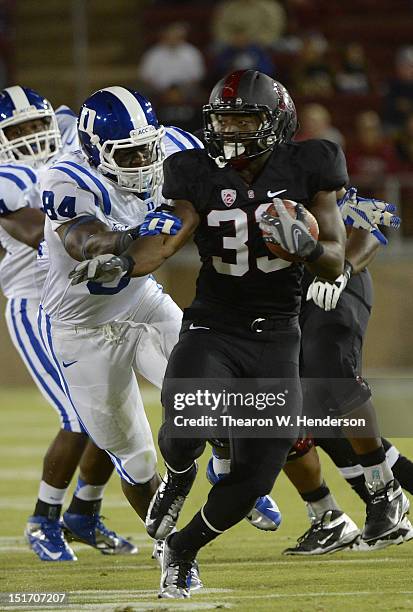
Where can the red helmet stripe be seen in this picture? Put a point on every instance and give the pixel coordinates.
(230, 87)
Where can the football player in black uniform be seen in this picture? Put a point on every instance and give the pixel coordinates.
(334, 320)
(243, 322)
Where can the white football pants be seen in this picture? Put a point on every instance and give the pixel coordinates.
(97, 367)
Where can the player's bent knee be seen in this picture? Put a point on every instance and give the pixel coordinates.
(140, 468)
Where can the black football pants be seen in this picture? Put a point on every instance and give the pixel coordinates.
(255, 462)
(331, 350)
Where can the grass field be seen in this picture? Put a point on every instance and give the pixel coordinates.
(242, 570)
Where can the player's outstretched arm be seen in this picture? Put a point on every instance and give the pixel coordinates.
(86, 237)
(25, 225)
(332, 237)
(361, 248)
(149, 252)
(144, 254)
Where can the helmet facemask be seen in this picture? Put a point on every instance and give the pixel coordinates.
(34, 148)
(138, 179)
(227, 147)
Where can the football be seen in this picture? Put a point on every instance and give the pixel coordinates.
(309, 220)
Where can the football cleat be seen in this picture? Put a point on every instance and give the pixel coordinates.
(406, 530)
(385, 510)
(403, 534)
(334, 531)
(195, 581)
(46, 538)
(175, 574)
(265, 515)
(91, 530)
(166, 504)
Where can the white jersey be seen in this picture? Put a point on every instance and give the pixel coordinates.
(20, 276)
(72, 188)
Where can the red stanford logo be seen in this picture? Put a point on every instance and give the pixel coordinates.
(228, 196)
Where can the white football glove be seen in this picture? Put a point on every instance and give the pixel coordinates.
(102, 269)
(367, 213)
(291, 234)
(325, 294)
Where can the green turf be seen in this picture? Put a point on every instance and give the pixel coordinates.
(242, 570)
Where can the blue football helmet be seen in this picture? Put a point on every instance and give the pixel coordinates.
(118, 118)
(19, 105)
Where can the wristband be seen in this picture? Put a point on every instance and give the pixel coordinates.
(123, 241)
(134, 232)
(315, 254)
(128, 262)
(348, 268)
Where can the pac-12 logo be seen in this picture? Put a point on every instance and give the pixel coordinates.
(228, 196)
(87, 120)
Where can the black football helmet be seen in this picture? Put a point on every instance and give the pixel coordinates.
(248, 92)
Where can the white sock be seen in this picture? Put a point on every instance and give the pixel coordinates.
(316, 509)
(51, 495)
(221, 466)
(392, 455)
(377, 476)
(88, 492)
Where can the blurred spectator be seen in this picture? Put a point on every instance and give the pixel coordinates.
(241, 53)
(398, 102)
(371, 154)
(172, 61)
(174, 108)
(315, 122)
(352, 73)
(263, 21)
(313, 74)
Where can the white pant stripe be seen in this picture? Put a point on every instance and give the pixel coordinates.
(21, 319)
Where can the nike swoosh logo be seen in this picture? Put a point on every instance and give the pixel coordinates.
(66, 365)
(322, 542)
(272, 194)
(55, 556)
(192, 326)
(296, 235)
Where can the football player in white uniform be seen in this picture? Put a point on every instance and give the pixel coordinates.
(31, 137)
(98, 201)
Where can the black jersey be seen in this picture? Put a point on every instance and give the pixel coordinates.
(239, 275)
